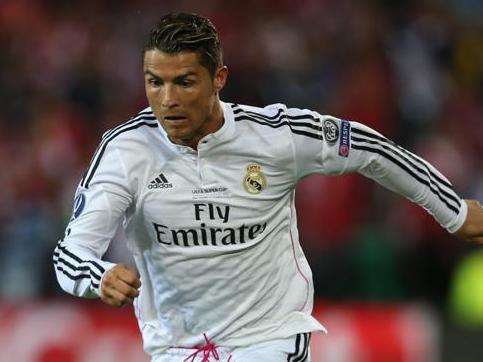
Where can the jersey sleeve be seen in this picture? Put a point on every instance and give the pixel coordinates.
(346, 147)
(101, 200)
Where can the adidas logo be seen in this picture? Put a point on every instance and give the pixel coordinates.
(160, 182)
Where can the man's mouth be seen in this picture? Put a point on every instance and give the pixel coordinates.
(174, 118)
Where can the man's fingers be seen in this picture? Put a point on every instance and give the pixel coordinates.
(120, 285)
(131, 279)
(126, 289)
(125, 273)
(115, 298)
(119, 294)
(121, 298)
(129, 275)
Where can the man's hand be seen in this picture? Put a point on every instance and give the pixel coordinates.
(120, 285)
(472, 229)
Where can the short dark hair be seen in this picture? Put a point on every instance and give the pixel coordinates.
(183, 32)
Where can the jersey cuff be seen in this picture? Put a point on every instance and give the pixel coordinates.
(460, 219)
(107, 266)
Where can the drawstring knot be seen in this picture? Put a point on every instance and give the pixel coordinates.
(208, 350)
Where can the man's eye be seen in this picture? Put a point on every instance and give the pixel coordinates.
(186, 83)
(154, 82)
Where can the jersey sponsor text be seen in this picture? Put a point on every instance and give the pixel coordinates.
(208, 236)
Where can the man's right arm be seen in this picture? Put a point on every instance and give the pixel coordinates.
(99, 207)
(78, 256)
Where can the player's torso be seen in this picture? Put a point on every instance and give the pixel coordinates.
(211, 232)
(223, 195)
(213, 224)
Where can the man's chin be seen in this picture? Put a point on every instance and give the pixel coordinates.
(179, 138)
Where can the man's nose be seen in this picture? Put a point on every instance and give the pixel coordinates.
(168, 96)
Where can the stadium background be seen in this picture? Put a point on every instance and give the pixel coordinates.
(391, 285)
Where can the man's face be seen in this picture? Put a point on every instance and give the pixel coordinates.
(183, 96)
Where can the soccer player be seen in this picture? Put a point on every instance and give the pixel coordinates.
(205, 192)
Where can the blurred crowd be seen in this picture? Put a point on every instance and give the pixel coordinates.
(411, 69)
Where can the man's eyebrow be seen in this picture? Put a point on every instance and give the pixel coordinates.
(187, 74)
(148, 72)
(181, 76)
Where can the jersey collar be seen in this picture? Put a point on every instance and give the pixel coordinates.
(225, 133)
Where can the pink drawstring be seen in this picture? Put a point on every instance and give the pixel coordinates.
(208, 349)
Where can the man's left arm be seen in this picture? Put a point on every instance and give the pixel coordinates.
(354, 147)
(331, 146)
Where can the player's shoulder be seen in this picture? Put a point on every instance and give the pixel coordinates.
(271, 112)
(300, 123)
(268, 111)
(134, 128)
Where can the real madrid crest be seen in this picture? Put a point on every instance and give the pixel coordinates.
(254, 181)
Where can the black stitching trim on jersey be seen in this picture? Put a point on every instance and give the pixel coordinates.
(77, 277)
(279, 116)
(307, 348)
(296, 352)
(289, 121)
(144, 115)
(408, 170)
(278, 125)
(398, 151)
(303, 354)
(301, 348)
(76, 268)
(402, 151)
(450, 197)
(79, 260)
(102, 146)
(93, 276)
(70, 276)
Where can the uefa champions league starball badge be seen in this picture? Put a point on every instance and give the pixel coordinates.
(254, 181)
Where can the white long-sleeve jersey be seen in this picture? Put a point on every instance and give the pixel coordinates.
(213, 232)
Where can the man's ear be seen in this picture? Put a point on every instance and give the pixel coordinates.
(220, 78)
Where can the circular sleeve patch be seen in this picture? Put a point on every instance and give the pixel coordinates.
(331, 131)
(79, 203)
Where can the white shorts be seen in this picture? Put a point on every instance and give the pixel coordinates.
(292, 349)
